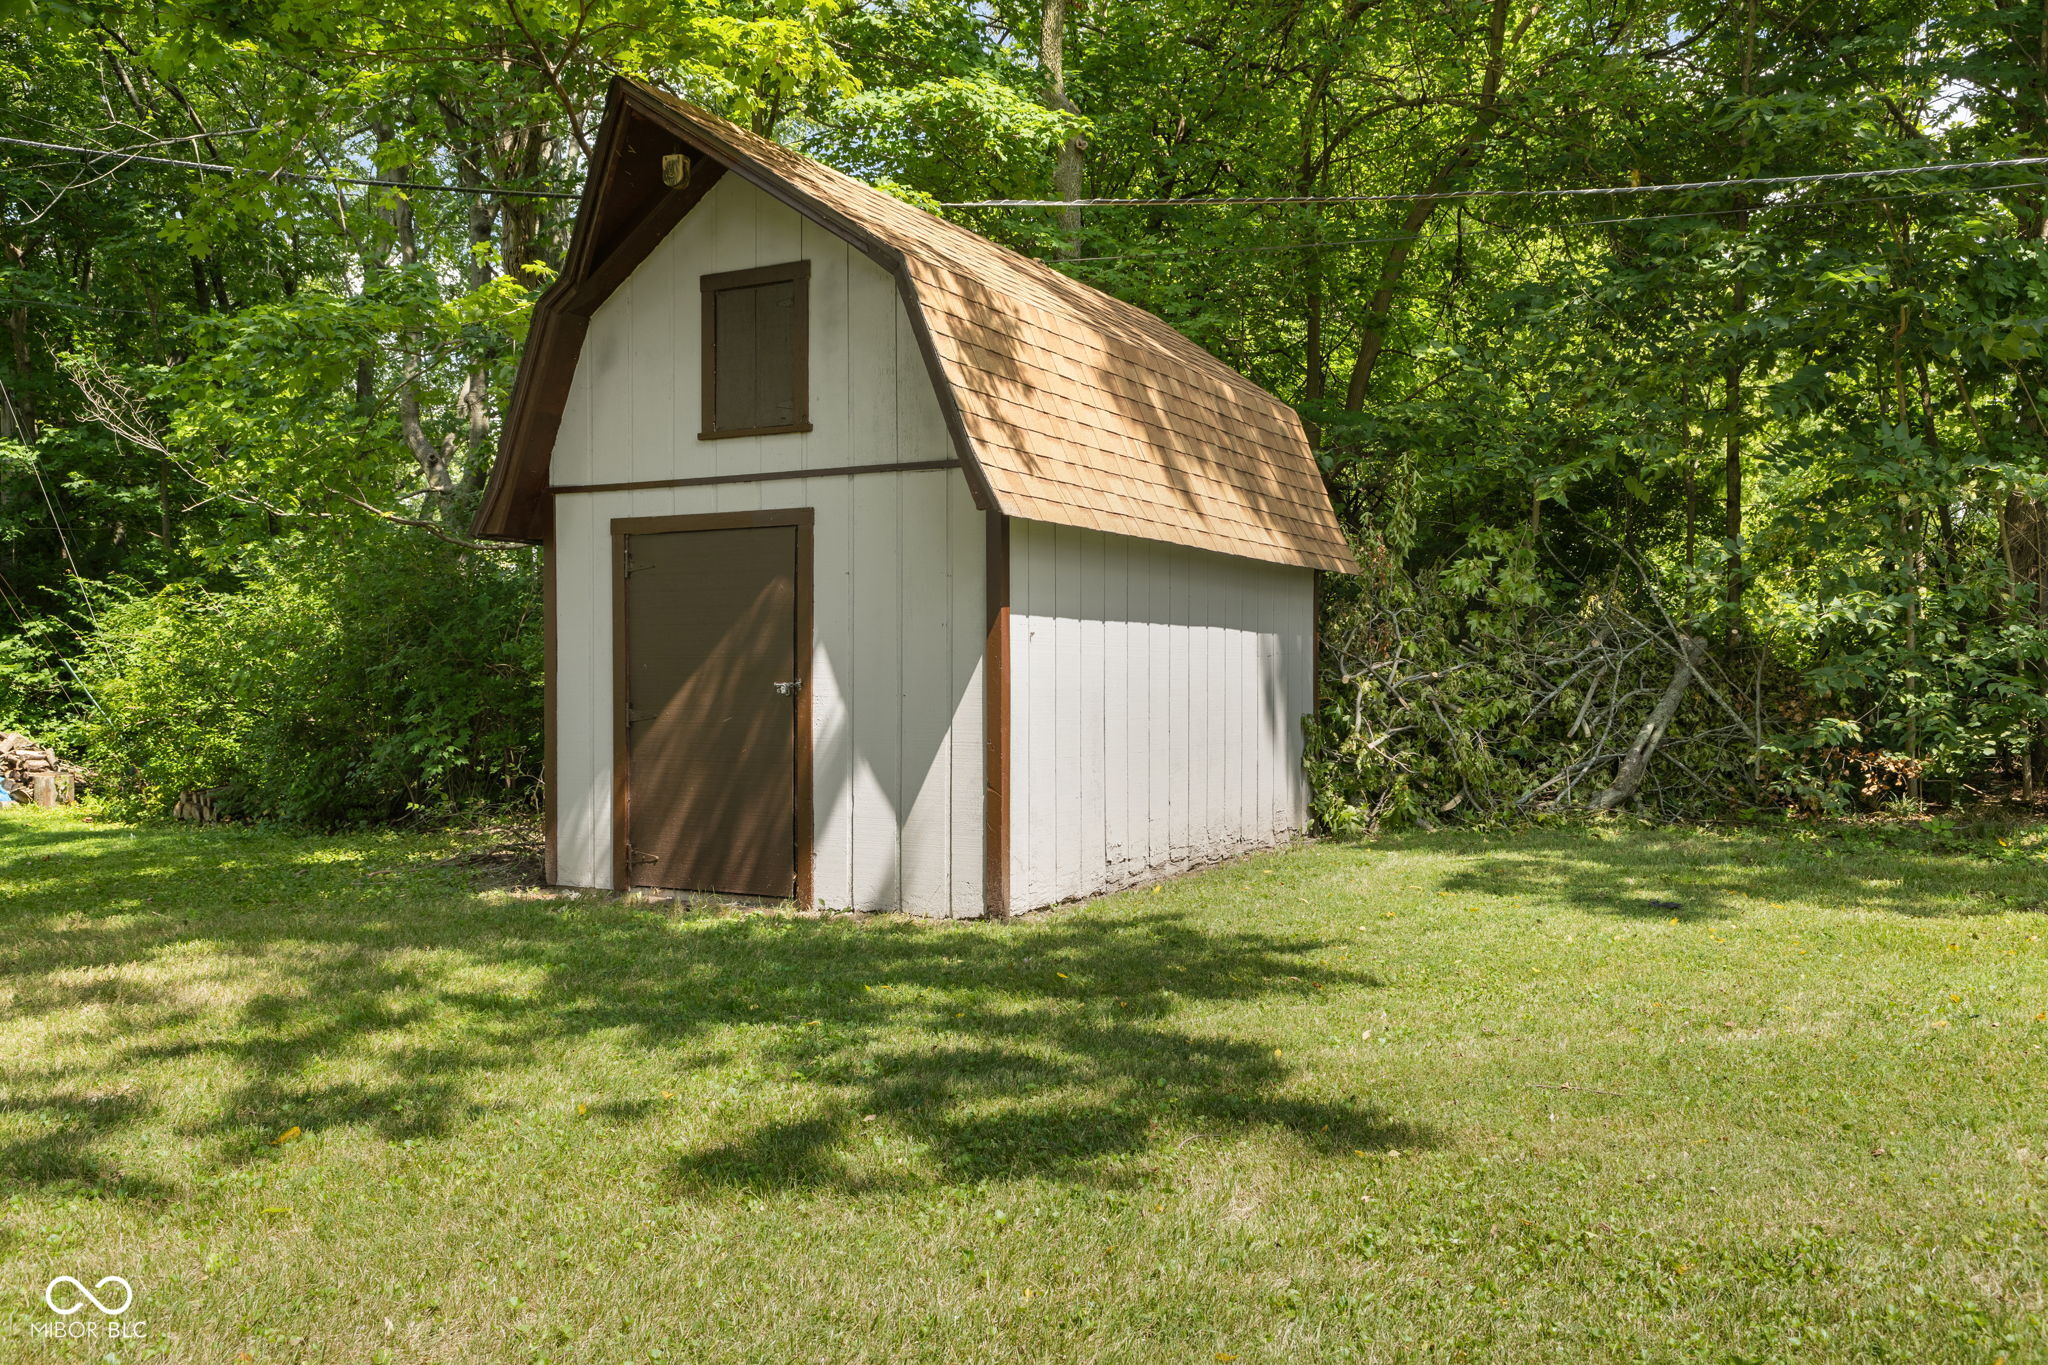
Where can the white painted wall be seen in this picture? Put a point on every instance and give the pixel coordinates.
(1157, 696)
(896, 688)
(633, 411)
(897, 559)
(1157, 691)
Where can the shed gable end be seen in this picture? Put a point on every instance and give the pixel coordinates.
(638, 406)
(1062, 403)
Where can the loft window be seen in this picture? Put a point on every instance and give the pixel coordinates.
(756, 351)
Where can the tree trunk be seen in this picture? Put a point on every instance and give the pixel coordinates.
(1066, 166)
(2023, 521)
(2023, 536)
(464, 453)
(1315, 377)
(1310, 178)
(432, 459)
(1738, 305)
(19, 411)
(1731, 407)
(520, 151)
(1373, 336)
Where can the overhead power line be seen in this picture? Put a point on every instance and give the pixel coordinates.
(1493, 230)
(1418, 196)
(1176, 252)
(103, 154)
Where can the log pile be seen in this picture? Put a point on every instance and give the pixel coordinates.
(33, 773)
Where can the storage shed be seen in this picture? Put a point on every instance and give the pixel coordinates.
(887, 568)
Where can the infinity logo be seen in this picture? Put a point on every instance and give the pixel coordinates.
(86, 1296)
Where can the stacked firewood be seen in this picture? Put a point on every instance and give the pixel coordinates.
(32, 772)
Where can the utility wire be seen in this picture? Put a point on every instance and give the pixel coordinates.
(1276, 200)
(100, 153)
(1488, 194)
(1171, 253)
(188, 137)
(1485, 229)
(76, 307)
(129, 152)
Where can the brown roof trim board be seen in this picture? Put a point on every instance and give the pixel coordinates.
(1063, 403)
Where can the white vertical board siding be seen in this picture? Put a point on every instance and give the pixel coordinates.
(1157, 694)
(897, 558)
(582, 693)
(896, 768)
(635, 406)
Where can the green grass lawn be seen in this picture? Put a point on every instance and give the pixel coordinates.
(1446, 1097)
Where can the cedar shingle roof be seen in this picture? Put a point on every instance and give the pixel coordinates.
(1071, 406)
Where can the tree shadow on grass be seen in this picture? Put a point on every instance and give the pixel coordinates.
(65, 1148)
(1065, 1047)
(1008, 1105)
(1694, 876)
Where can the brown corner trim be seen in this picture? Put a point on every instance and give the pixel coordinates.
(806, 651)
(803, 519)
(620, 821)
(766, 476)
(995, 723)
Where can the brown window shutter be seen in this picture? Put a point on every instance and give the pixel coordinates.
(756, 351)
(739, 359)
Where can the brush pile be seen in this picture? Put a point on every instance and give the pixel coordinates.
(33, 773)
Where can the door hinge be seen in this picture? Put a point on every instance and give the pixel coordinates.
(634, 857)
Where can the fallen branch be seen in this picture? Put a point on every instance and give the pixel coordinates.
(1571, 772)
(429, 527)
(1637, 761)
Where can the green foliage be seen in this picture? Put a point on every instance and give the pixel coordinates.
(1808, 414)
(37, 694)
(323, 688)
(265, 406)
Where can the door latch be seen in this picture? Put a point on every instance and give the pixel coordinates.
(788, 689)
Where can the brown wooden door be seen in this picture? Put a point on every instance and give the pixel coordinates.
(710, 653)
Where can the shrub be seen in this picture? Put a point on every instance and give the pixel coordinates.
(391, 675)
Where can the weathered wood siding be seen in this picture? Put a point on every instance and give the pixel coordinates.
(897, 558)
(1157, 696)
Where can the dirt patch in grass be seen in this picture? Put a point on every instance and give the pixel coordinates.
(503, 857)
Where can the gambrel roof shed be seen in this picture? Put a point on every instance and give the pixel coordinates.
(885, 568)
(1065, 405)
